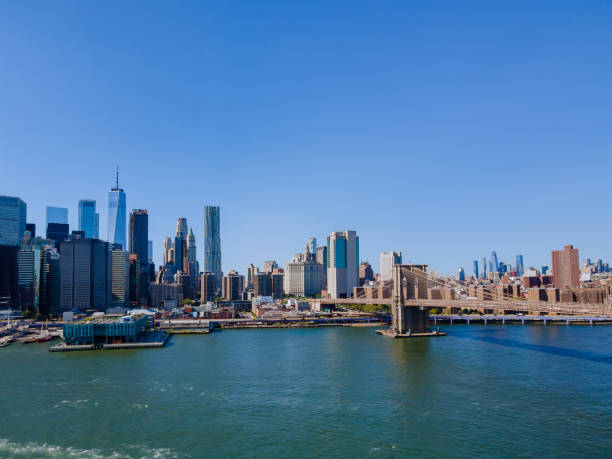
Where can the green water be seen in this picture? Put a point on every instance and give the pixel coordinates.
(495, 391)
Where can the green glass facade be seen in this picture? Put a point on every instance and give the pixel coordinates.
(340, 253)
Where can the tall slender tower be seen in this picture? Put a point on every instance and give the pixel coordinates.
(181, 227)
(494, 262)
(520, 268)
(88, 218)
(191, 254)
(117, 215)
(212, 242)
(139, 245)
(180, 246)
(168, 245)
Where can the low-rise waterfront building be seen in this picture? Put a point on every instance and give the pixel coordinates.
(100, 330)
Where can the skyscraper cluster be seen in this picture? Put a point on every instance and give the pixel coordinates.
(180, 267)
(495, 269)
(76, 270)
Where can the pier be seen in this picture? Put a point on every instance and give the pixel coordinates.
(516, 319)
(389, 333)
(153, 340)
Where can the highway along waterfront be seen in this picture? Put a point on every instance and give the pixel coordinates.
(486, 390)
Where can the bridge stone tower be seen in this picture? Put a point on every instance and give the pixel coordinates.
(409, 319)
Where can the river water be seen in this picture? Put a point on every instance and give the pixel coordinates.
(495, 390)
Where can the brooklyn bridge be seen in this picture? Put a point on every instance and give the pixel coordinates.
(410, 302)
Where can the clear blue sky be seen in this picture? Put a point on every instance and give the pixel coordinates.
(441, 129)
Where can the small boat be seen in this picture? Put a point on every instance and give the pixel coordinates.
(44, 337)
(29, 339)
(6, 340)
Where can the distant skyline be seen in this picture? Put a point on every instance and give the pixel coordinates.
(441, 130)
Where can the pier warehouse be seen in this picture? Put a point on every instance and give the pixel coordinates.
(108, 330)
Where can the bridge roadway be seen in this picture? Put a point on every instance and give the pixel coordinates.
(496, 305)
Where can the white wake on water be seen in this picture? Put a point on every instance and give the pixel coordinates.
(44, 450)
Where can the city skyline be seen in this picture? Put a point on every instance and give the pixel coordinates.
(388, 99)
(508, 259)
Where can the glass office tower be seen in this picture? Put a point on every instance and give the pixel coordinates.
(212, 242)
(520, 268)
(57, 215)
(139, 245)
(13, 213)
(117, 215)
(88, 218)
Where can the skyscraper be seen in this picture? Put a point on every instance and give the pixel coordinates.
(12, 220)
(387, 260)
(117, 215)
(134, 279)
(520, 268)
(8, 275)
(31, 227)
(57, 215)
(168, 251)
(475, 269)
(180, 246)
(321, 258)
(120, 282)
(233, 285)
(181, 227)
(262, 284)
(303, 275)
(312, 244)
(139, 234)
(89, 220)
(57, 232)
(13, 213)
(494, 262)
(85, 274)
(342, 263)
(49, 297)
(252, 271)
(278, 281)
(191, 254)
(179, 253)
(212, 242)
(566, 267)
(484, 267)
(139, 245)
(27, 278)
(57, 224)
(208, 287)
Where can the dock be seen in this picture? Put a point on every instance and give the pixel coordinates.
(155, 340)
(188, 331)
(389, 333)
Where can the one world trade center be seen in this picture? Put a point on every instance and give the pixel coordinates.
(117, 215)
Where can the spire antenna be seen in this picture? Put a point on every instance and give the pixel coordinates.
(117, 177)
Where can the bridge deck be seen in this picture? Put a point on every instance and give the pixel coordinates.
(527, 306)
